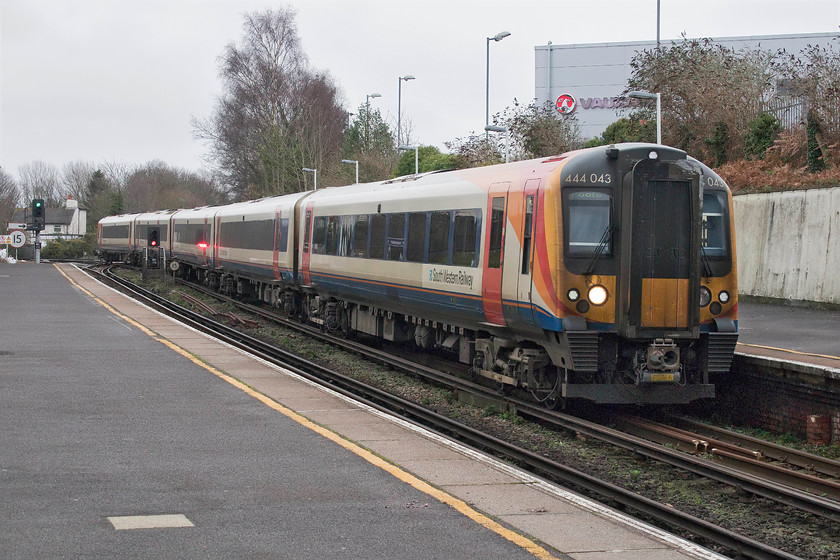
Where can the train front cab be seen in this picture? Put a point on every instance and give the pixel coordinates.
(648, 280)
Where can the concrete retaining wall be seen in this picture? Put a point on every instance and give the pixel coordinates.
(788, 245)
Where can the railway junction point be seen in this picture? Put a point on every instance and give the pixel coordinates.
(127, 435)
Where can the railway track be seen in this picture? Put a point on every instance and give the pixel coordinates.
(662, 513)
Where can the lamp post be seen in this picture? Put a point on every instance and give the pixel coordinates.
(494, 128)
(351, 161)
(497, 37)
(367, 116)
(416, 159)
(314, 175)
(399, 104)
(658, 97)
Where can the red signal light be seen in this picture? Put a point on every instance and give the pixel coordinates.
(202, 245)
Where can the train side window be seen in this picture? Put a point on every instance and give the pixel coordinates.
(396, 236)
(439, 227)
(416, 243)
(332, 235)
(377, 236)
(319, 235)
(589, 217)
(526, 234)
(360, 236)
(465, 238)
(307, 231)
(497, 223)
(282, 235)
(713, 233)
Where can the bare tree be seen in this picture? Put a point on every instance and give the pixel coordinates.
(75, 178)
(156, 186)
(275, 115)
(9, 198)
(40, 180)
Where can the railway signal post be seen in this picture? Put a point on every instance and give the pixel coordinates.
(37, 224)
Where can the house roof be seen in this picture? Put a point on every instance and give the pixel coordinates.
(52, 216)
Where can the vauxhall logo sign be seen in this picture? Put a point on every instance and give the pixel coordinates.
(567, 103)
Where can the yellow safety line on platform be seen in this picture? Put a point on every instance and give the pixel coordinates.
(456, 503)
(790, 351)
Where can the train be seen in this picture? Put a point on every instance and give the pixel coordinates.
(605, 274)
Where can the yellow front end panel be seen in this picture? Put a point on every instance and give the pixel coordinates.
(665, 303)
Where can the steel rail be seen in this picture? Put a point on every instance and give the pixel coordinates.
(411, 411)
(801, 459)
(744, 459)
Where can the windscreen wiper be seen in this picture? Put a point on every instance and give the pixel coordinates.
(605, 239)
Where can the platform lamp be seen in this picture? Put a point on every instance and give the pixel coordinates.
(658, 97)
(353, 161)
(368, 97)
(494, 128)
(314, 175)
(416, 159)
(497, 37)
(399, 105)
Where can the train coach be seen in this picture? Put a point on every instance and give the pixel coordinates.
(606, 274)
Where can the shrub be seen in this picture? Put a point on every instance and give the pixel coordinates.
(763, 131)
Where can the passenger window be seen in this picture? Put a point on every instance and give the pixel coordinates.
(439, 238)
(360, 236)
(396, 237)
(416, 246)
(307, 230)
(332, 235)
(465, 238)
(282, 235)
(497, 224)
(319, 235)
(526, 234)
(377, 236)
(345, 235)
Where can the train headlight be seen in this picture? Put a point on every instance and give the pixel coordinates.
(598, 295)
(723, 297)
(573, 294)
(705, 296)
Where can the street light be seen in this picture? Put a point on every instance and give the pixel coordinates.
(497, 37)
(367, 116)
(405, 149)
(399, 103)
(357, 166)
(314, 175)
(657, 96)
(493, 128)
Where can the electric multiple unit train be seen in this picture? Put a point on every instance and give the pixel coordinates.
(606, 274)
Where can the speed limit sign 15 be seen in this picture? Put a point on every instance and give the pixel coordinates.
(17, 239)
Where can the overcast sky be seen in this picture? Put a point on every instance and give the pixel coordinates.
(121, 80)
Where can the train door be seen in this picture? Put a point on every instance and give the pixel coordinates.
(491, 284)
(664, 249)
(526, 229)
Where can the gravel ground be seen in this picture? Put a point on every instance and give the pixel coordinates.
(795, 532)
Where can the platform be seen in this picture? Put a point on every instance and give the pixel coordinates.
(126, 434)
